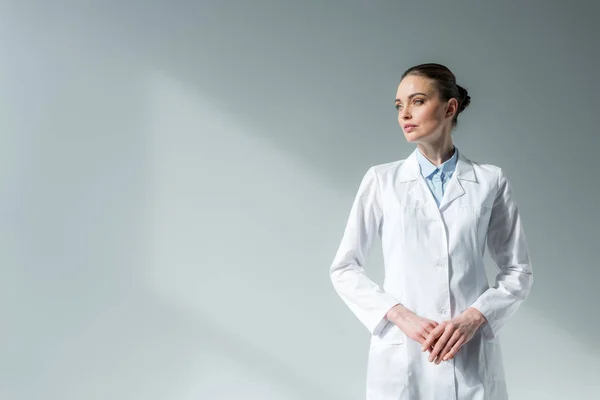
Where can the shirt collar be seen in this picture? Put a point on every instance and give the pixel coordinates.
(427, 167)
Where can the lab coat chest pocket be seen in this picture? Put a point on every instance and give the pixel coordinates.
(471, 221)
(387, 365)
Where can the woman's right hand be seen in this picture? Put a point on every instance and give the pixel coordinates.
(415, 327)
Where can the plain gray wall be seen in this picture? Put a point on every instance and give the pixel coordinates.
(176, 177)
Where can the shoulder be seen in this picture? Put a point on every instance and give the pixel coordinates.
(487, 172)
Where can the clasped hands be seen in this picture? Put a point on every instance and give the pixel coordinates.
(444, 339)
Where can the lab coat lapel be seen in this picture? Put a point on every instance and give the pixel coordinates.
(419, 191)
(463, 172)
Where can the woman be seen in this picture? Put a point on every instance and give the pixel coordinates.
(435, 320)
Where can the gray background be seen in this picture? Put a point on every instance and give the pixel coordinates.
(176, 177)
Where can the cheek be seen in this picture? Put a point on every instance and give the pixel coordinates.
(428, 116)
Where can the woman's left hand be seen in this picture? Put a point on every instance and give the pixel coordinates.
(453, 334)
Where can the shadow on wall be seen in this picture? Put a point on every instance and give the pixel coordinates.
(298, 74)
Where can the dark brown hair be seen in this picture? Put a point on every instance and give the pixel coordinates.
(445, 83)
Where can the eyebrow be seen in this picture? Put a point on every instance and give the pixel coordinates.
(411, 96)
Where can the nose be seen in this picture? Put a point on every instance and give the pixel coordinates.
(405, 114)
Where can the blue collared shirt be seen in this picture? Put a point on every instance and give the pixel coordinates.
(437, 177)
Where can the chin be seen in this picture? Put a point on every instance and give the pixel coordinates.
(410, 138)
(418, 137)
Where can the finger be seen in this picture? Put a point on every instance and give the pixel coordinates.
(433, 335)
(455, 348)
(448, 332)
(426, 330)
(453, 339)
(432, 323)
(430, 348)
(422, 337)
(419, 338)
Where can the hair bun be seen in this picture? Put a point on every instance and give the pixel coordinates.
(465, 99)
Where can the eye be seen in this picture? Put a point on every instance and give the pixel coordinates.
(398, 106)
(419, 100)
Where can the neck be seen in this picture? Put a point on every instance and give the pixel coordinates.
(437, 153)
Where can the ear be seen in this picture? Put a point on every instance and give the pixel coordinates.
(452, 108)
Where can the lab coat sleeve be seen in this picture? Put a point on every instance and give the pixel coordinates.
(508, 248)
(365, 298)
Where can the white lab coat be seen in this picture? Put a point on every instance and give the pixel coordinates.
(433, 261)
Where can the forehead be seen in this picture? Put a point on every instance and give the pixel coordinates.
(412, 84)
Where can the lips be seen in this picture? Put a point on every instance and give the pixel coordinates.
(409, 127)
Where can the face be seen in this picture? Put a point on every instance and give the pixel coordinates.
(419, 105)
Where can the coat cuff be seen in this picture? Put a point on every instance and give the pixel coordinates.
(382, 321)
(486, 328)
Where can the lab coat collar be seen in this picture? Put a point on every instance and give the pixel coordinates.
(410, 170)
(428, 168)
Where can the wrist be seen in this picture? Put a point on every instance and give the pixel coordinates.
(477, 316)
(396, 312)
